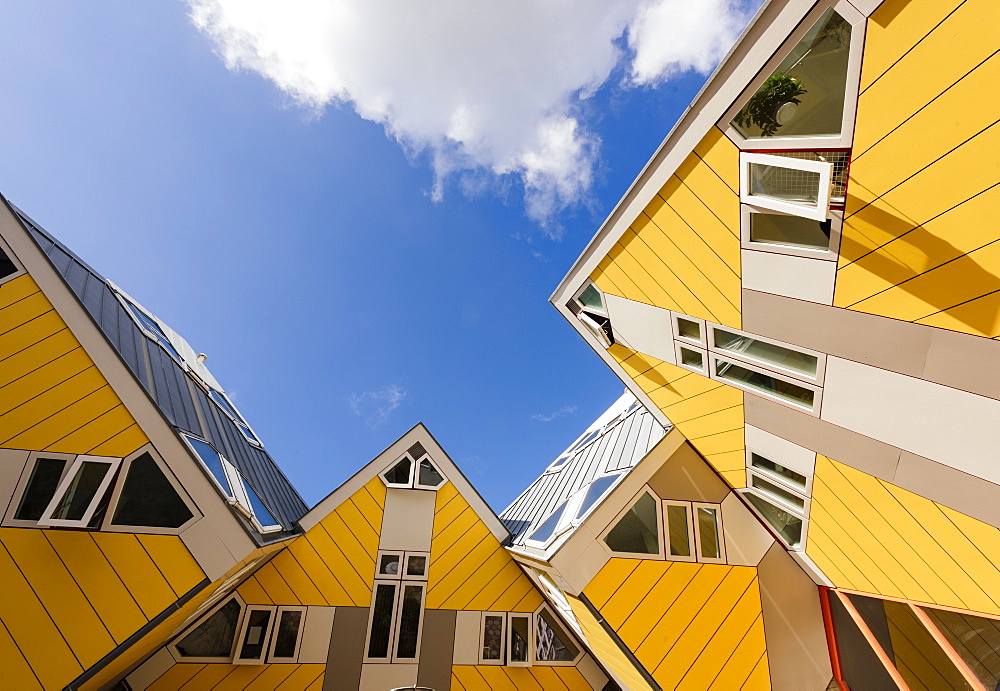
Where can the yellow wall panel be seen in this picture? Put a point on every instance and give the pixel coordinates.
(606, 649)
(716, 150)
(689, 623)
(300, 583)
(176, 677)
(356, 585)
(137, 571)
(495, 678)
(253, 593)
(174, 561)
(15, 290)
(869, 535)
(16, 670)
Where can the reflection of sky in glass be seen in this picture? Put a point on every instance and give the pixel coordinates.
(210, 457)
(545, 531)
(598, 488)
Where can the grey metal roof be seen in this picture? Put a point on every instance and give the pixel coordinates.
(171, 388)
(614, 443)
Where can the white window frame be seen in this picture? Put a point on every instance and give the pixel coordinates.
(378, 563)
(400, 485)
(271, 658)
(717, 508)
(646, 489)
(832, 253)
(240, 422)
(805, 491)
(703, 370)
(504, 638)
(247, 507)
(127, 304)
(845, 139)
(782, 504)
(22, 485)
(579, 518)
(406, 562)
(126, 465)
(813, 410)
(416, 473)
(692, 542)
(801, 547)
(201, 618)
(567, 630)
(48, 521)
(268, 634)
(814, 379)
(576, 299)
(396, 584)
(564, 524)
(819, 212)
(699, 342)
(398, 613)
(19, 267)
(228, 469)
(531, 639)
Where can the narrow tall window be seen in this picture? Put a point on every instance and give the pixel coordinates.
(679, 531)
(383, 608)
(254, 636)
(79, 494)
(287, 635)
(41, 487)
(708, 531)
(410, 609)
(520, 639)
(493, 637)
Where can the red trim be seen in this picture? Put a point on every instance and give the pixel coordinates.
(787, 151)
(831, 638)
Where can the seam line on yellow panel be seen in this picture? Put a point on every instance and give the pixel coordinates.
(37, 343)
(763, 655)
(350, 563)
(306, 572)
(230, 672)
(917, 226)
(696, 234)
(103, 441)
(641, 266)
(85, 366)
(694, 576)
(913, 47)
(957, 527)
(709, 208)
(80, 587)
(19, 325)
(926, 105)
(917, 172)
(964, 302)
(26, 663)
(746, 633)
(699, 417)
(714, 173)
(115, 572)
(441, 579)
(53, 414)
(377, 528)
(621, 583)
(510, 585)
(636, 608)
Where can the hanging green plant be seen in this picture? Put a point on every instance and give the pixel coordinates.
(762, 108)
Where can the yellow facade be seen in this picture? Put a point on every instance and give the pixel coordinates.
(195, 676)
(692, 626)
(491, 678)
(707, 412)
(606, 649)
(683, 251)
(916, 245)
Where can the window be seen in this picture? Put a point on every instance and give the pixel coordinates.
(547, 530)
(708, 533)
(588, 306)
(519, 640)
(806, 94)
(287, 638)
(751, 378)
(679, 529)
(212, 640)
(492, 638)
(689, 330)
(397, 607)
(787, 525)
(253, 637)
(694, 359)
(775, 470)
(796, 186)
(552, 643)
(148, 324)
(798, 363)
(595, 492)
(42, 476)
(230, 410)
(244, 635)
(8, 267)
(78, 496)
(637, 530)
(794, 235)
(147, 498)
(413, 472)
(778, 495)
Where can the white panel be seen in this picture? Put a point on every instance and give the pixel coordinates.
(953, 427)
(382, 677)
(793, 277)
(408, 521)
(747, 541)
(578, 571)
(467, 625)
(866, 6)
(11, 466)
(150, 670)
(208, 548)
(316, 636)
(781, 451)
(813, 571)
(592, 672)
(641, 327)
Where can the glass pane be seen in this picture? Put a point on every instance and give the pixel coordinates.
(154, 328)
(688, 329)
(918, 658)
(250, 436)
(210, 457)
(7, 266)
(778, 492)
(598, 488)
(399, 474)
(214, 637)
(677, 530)
(636, 532)
(551, 642)
(416, 566)
(692, 358)
(41, 488)
(787, 184)
(758, 461)
(546, 529)
(793, 231)
(224, 403)
(148, 499)
(805, 95)
(862, 669)
(429, 476)
(378, 642)
(519, 639)
(975, 639)
(409, 621)
(260, 512)
(766, 352)
(764, 382)
(81, 491)
(288, 634)
(708, 532)
(255, 637)
(388, 564)
(788, 527)
(492, 637)
(591, 297)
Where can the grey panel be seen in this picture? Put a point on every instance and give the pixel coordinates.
(436, 649)
(347, 649)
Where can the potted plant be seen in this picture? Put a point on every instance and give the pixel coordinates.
(773, 105)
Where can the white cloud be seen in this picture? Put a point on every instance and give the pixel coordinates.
(474, 85)
(375, 406)
(561, 412)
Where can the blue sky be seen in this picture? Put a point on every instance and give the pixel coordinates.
(350, 276)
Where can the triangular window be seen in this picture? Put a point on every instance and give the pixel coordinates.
(214, 637)
(428, 475)
(148, 498)
(552, 643)
(399, 474)
(7, 265)
(637, 531)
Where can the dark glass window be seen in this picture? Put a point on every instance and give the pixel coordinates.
(636, 532)
(287, 636)
(492, 637)
(378, 641)
(7, 267)
(153, 328)
(212, 460)
(255, 637)
(519, 628)
(398, 474)
(429, 476)
(80, 494)
(213, 637)
(551, 642)
(389, 564)
(148, 499)
(678, 531)
(409, 621)
(41, 488)
(975, 639)
(416, 566)
(860, 666)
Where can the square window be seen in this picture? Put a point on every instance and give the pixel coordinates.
(795, 186)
